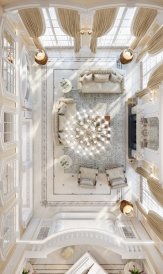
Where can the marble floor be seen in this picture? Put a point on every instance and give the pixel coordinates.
(67, 192)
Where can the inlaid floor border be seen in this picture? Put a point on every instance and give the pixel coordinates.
(44, 199)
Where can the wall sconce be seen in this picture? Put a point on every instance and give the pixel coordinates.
(126, 56)
(41, 57)
(127, 208)
(85, 31)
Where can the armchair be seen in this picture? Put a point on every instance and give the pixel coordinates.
(87, 177)
(116, 177)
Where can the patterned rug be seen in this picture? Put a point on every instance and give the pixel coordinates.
(115, 153)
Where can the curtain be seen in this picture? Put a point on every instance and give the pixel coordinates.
(153, 184)
(156, 78)
(141, 208)
(154, 44)
(156, 223)
(141, 171)
(34, 22)
(156, 189)
(102, 23)
(154, 220)
(142, 22)
(142, 93)
(70, 22)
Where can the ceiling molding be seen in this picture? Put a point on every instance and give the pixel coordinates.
(10, 5)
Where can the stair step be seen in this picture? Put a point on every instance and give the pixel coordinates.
(51, 266)
(62, 268)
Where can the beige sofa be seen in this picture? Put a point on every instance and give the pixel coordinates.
(101, 81)
(60, 114)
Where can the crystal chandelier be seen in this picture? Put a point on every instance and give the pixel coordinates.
(88, 133)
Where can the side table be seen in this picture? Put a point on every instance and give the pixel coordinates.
(66, 85)
(65, 161)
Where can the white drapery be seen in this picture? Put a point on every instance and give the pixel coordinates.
(34, 22)
(142, 22)
(102, 23)
(70, 22)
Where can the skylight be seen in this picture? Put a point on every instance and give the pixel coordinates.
(54, 36)
(120, 34)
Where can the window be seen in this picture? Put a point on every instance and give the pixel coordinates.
(43, 233)
(8, 231)
(148, 200)
(8, 61)
(9, 127)
(27, 141)
(54, 36)
(9, 178)
(120, 34)
(8, 47)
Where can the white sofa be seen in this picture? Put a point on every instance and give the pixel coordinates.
(62, 109)
(101, 81)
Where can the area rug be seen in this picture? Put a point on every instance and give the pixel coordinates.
(59, 187)
(115, 151)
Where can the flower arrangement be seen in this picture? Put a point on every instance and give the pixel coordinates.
(135, 270)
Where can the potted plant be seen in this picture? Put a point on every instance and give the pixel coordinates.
(25, 271)
(135, 270)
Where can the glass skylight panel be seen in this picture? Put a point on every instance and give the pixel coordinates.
(54, 36)
(120, 34)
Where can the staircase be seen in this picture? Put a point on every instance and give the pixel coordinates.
(62, 268)
(41, 249)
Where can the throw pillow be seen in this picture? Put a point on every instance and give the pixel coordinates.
(61, 122)
(119, 78)
(81, 79)
(115, 78)
(87, 78)
(62, 108)
(101, 78)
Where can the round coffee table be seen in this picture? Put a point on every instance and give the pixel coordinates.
(65, 161)
(66, 85)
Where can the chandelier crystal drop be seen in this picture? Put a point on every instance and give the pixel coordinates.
(87, 133)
